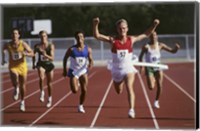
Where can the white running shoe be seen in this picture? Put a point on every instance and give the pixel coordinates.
(42, 96)
(156, 104)
(49, 102)
(16, 94)
(22, 106)
(81, 109)
(131, 113)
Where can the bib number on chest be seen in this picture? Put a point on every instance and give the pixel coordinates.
(155, 59)
(43, 58)
(16, 55)
(80, 61)
(121, 54)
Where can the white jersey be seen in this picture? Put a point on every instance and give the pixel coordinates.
(153, 55)
(121, 64)
(122, 61)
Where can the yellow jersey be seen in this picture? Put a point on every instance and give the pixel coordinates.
(17, 61)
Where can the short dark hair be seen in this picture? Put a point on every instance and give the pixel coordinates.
(42, 31)
(18, 29)
(79, 31)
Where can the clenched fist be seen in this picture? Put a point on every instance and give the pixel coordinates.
(96, 20)
(156, 22)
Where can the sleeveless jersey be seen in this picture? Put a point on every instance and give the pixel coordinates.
(153, 55)
(78, 59)
(122, 53)
(41, 58)
(16, 56)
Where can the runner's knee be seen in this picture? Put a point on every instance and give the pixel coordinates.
(151, 86)
(118, 90)
(41, 78)
(74, 89)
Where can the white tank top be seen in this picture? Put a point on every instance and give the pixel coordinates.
(153, 55)
(122, 60)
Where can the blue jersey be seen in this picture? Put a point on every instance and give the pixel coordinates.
(78, 59)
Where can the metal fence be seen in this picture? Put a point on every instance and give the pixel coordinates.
(101, 50)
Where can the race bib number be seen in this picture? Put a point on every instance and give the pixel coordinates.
(43, 58)
(155, 59)
(16, 55)
(81, 61)
(121, 54)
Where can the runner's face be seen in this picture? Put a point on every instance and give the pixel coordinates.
(15, 35)
(154, 36)
(122, 29)
(43, 37)
(80, 38)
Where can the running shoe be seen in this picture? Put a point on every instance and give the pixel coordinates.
(16, 94)
(49, 102)
(42, 96)
(22, 106)
(81, 109)
(131, 113)
(156, 104)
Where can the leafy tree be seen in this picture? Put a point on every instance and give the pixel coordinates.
(176, 18)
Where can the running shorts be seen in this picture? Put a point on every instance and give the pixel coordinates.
(118, 74)
(20, 69)
(47, 66)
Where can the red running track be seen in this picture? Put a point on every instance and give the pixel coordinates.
(104, 108)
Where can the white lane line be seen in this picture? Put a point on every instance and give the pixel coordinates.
(101, 105)
(180, 88)
(28, 82)
(11, 88)
(9, 80)
(35, 92)
(148, 102)
(57, 103)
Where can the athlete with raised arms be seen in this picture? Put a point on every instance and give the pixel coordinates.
(154, 75)
(122, 70)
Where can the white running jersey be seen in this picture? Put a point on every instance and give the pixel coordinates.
(122, 59)
(153, 55)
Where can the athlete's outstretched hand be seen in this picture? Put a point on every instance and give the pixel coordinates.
(178, 46)
(90, 66)
(156, 22)
(33, 66)
(64, 73)
(3, 62)
(96, 21)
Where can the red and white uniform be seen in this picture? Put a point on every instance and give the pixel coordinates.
(121, 59)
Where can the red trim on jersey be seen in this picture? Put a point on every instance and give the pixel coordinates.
(117, 45)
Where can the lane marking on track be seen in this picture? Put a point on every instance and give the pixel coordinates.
(9, 80)
(56, 104)
(148, 102)
(101, 105)
(180, 88)
(11, 88)
(35, 92)
(28, 82)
